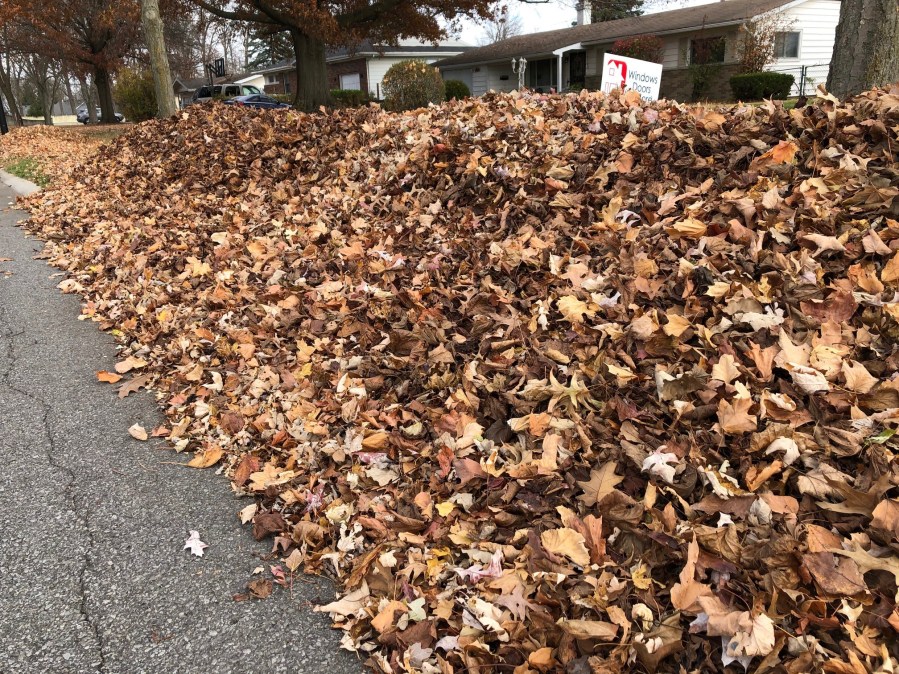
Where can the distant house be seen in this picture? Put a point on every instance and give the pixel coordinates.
(573, 56)
(361, 68)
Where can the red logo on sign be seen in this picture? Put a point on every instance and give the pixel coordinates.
(618, 72)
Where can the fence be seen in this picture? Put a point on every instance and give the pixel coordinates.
(807, 77)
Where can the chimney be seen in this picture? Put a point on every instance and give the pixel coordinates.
(583, 13)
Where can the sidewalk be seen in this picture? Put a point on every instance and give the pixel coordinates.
(93, 577)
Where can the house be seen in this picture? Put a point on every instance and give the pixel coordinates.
(710, 32)
(362, 67)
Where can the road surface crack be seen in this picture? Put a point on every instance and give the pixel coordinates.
(8, 341)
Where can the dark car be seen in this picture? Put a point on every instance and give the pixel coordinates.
(260, 101)
(83, 118)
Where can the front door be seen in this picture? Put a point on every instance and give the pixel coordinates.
(577, 70)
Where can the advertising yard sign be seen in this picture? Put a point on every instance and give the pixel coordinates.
(623, 72)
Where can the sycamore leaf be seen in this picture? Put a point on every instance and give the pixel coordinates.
(568, 543)
(886, 516)
(573, 309)
(782, 153)
(858, 379)
(735, 419)
(602, 482)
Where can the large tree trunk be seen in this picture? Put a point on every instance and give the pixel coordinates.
(159, 60)
(9, 95)
(67, 80)
(312, 72)
(104, 94)
(866, 51)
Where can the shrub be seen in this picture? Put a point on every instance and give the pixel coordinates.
(643, 47)
(136, 93)
(35, 109)
(756, 86)
(456, 89)
(282, 98)
(412, 84)
(349, 98)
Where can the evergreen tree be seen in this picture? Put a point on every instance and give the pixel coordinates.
(266, 47)
(609, 10)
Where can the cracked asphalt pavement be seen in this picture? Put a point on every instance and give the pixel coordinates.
(93, 577)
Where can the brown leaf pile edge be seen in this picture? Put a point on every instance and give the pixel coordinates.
(546, 382)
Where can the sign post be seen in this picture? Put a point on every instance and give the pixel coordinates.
(627, 74)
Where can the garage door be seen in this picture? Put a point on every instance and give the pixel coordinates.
(351, 81)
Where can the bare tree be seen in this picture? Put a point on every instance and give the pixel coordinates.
(502, 26)
(758, 39)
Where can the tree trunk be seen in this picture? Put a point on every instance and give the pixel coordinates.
(104, 94)
(312, 72)
(159, 60)
(67, 80)
(9, 95)
(866, 50)
(46, 94)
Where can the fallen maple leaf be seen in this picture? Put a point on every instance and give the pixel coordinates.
(602, 482)
(194, 544)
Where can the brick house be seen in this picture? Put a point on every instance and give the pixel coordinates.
(361, 68)
(574, 55)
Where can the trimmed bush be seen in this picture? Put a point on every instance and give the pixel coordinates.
(456, 89)
(643, 47)
(412, 84)
(349, 98)
(756, 86)
(136, 94)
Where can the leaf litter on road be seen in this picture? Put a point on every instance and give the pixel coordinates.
(545, 382)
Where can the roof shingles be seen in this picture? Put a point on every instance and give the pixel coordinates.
(728, 12)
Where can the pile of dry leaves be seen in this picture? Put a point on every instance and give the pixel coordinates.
(548, 383)
(55, 150)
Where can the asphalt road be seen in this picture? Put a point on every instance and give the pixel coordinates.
(93, 577)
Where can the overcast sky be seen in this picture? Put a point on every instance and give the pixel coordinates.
(556, 14)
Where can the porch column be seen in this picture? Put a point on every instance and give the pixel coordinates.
(559, 83)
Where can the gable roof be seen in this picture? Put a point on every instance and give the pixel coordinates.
(410, 47)
(725, 13)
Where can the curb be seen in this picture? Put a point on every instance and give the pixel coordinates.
(20, 186)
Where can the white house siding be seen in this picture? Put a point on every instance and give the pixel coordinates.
(816, 21)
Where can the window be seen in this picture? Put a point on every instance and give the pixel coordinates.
(351, 81)
(232, 91)
(786, 45)
(249, 90)
(707, 50)
(286, 86)
(271, 79)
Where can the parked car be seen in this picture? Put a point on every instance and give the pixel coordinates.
(83, 118)
(208, 92)
(260, 101)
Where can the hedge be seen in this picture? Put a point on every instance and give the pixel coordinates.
(349, 98)
(456, 89)
(756, 86)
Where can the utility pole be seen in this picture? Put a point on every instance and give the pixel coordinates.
(159, 60)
